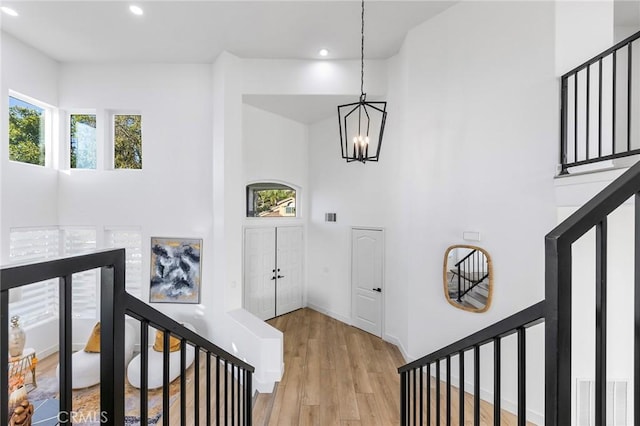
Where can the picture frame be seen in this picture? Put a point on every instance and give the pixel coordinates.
(176, 270)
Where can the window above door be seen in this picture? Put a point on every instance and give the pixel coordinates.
(269, 199)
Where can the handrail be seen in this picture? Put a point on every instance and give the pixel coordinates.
(138, 309)
(558, 291)
(604, 54)
(416, 377)
(115, 304)
(466, 257)
(605, 202)
(526, 318)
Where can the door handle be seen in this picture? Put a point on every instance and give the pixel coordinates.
(280, 276)
(379, 290)
(273, 278)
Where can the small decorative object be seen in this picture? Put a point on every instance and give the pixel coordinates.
(362, 123)
(22, 414)
(175, 270)
(17, 395)
(17, 337)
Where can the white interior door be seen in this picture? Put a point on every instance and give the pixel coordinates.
(367, 279)
(288, 269)
(259, 271)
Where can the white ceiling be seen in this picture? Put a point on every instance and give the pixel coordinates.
(198, 31)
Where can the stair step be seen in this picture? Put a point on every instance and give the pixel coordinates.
(262, 407)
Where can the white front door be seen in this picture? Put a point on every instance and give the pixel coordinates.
(367, 279)
(259, 272)
(272, 270)
(288, 269)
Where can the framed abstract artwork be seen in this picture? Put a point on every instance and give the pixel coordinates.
(175, 270)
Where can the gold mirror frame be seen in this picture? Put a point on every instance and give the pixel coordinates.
(445, 278)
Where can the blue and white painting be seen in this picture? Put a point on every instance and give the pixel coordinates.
(175, 270)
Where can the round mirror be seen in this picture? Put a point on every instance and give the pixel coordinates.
(468, 278)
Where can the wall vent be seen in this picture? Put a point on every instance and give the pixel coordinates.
(330, 217)
(616, 403)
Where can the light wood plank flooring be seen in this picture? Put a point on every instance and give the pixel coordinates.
(334, 374)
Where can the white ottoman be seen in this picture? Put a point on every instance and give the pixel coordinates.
(85, 366)
(155, 360)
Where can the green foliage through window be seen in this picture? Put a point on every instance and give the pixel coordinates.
(127, 141)
(26, 132)
(82, 148)
(270, 200)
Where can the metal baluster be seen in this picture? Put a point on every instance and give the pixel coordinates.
(522, 377)
(629, 59)
(144, 372)
(165, 378)
(476, 385)
(403, 398)
(196, 386)
(496, 381)
(601, 323)
(438, 392)
(429, 394)
(461, 390)
(414, 394)
(183, 382)
(636, 265)
(421, 395)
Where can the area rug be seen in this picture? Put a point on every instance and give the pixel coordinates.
(86, 402)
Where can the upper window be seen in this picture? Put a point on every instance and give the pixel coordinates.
(271, 200)
(127, 141)
(82, 141)
(27, 123)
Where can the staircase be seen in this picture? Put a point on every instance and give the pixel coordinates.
(220, 391)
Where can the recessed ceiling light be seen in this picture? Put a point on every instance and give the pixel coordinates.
(323, 52)
(9, 11)
(136, 10)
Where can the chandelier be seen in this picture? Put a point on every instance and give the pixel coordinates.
(362, 123)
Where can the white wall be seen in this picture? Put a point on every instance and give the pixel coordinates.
(582, 30)
(170, 196)
(28, 192)
(470, 145)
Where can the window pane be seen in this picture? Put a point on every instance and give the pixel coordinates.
(26, 132)
(83, 141)
(131, 241)
(35, 302)
(127, 131)
(271, 200)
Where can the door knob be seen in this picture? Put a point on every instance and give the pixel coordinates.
(379, 290)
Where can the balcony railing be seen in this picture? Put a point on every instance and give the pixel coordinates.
(601, 107)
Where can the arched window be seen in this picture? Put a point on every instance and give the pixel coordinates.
(268, 199)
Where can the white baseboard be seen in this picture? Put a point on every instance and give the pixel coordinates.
(506, 404)
(47, 352)
(393, 339)
(334, 315)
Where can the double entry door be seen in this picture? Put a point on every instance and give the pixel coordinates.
(272, 270)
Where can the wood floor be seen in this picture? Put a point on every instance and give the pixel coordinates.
(334, 374)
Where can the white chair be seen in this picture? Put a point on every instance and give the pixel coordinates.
(155, 363)
(85, 366)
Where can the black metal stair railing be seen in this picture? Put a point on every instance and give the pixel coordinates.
(558, 290)
(597, 101)
(227, 380)
(417, 378)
